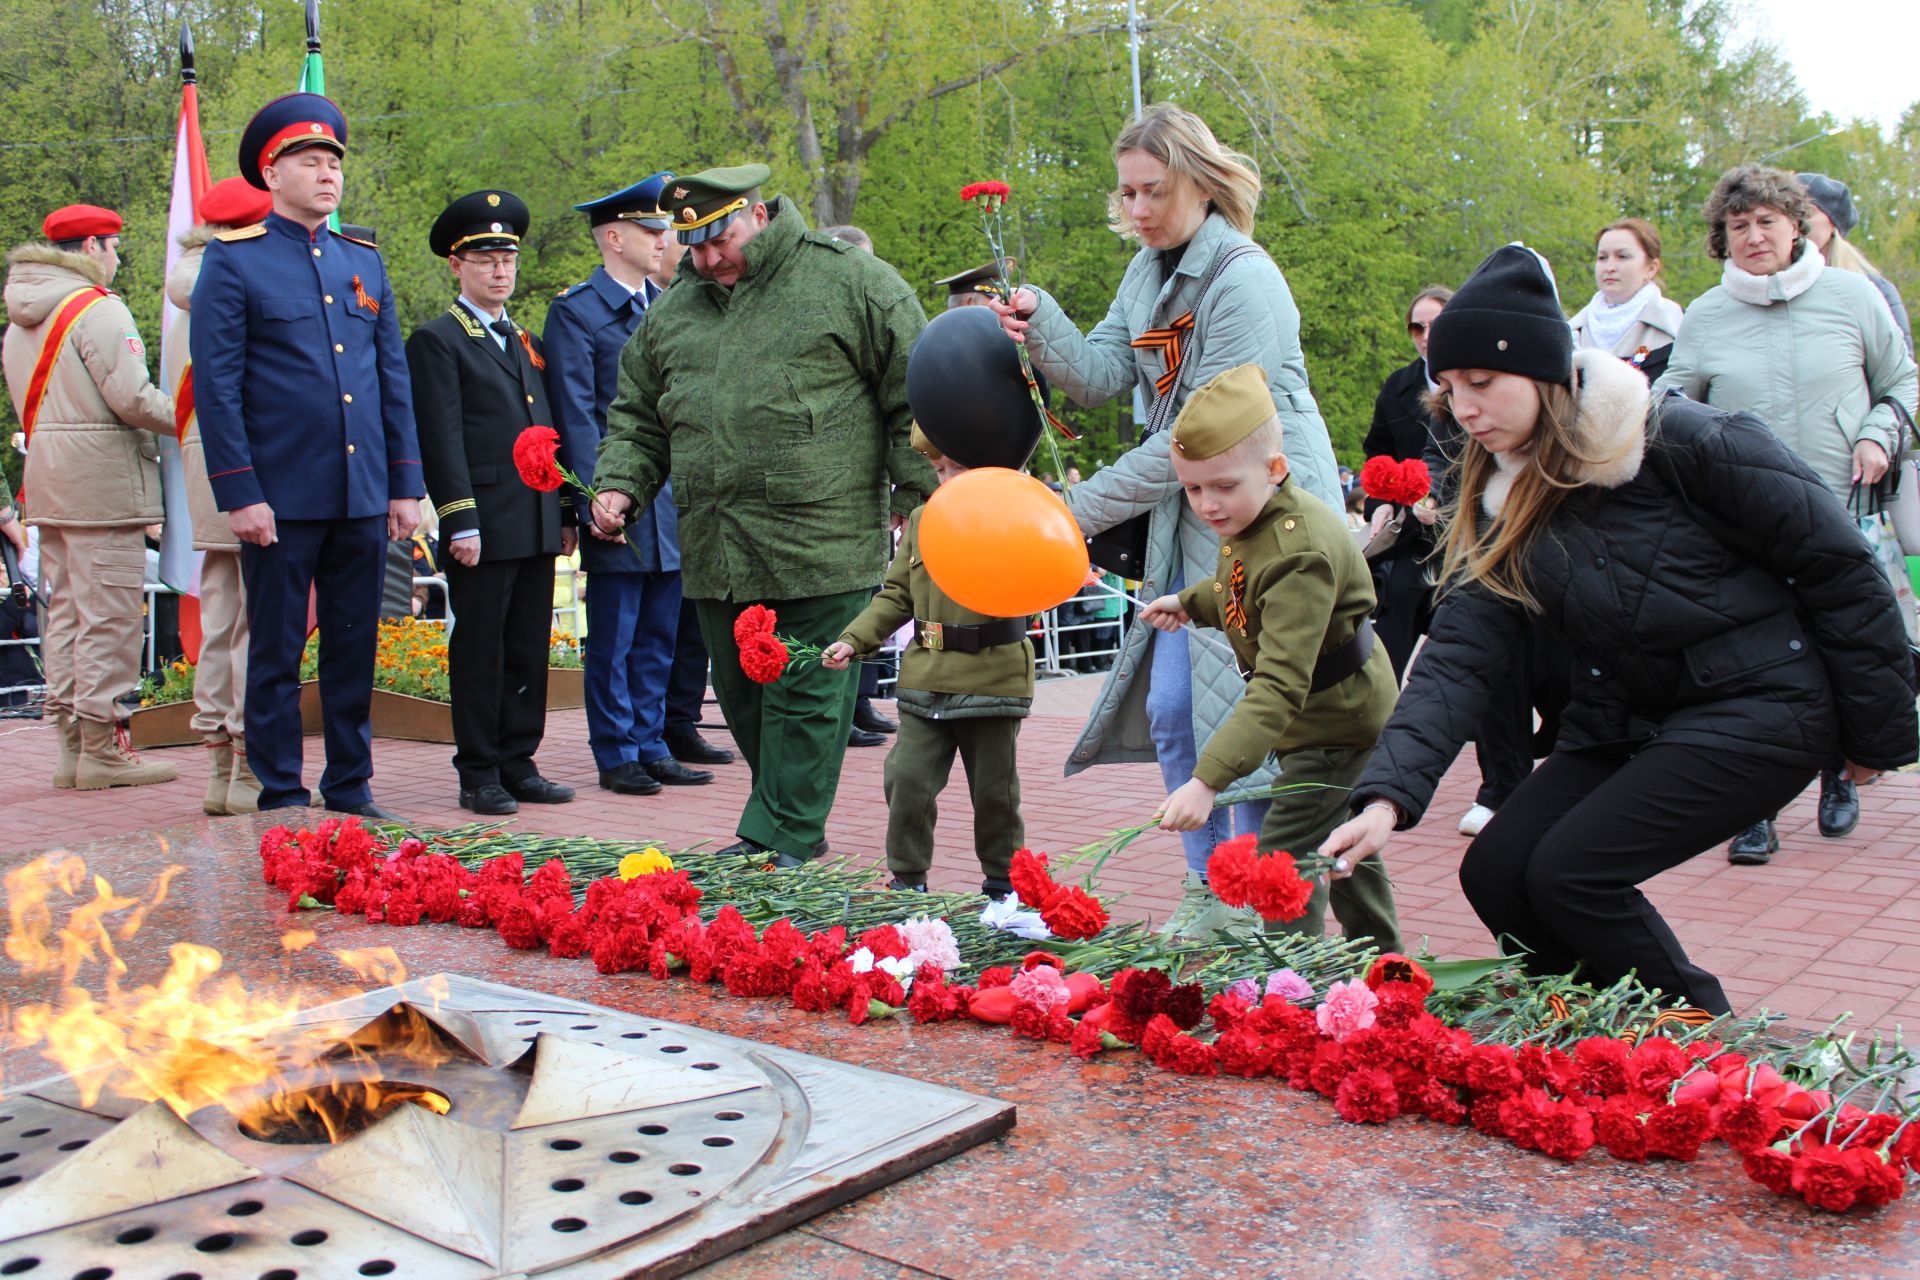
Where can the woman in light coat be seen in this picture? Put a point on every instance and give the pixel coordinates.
(1629, 317)
(1812, 352)
(1188, 201)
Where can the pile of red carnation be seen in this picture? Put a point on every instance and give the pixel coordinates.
(1269, 883)
(763, 655)
(1069, 911)
(1371, 1045)
(1401, 483)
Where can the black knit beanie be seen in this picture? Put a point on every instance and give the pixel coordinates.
(1507, 318)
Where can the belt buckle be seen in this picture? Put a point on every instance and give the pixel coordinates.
(931, 636)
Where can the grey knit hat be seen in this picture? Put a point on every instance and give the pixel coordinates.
(1834, 198)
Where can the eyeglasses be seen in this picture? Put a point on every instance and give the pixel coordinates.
(1416, 327)
(491, 263)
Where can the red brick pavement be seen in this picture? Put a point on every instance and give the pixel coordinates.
(1828, 928)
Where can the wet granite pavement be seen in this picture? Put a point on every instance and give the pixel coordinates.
(1114, 1168)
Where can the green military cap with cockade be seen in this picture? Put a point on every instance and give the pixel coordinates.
(703, 205)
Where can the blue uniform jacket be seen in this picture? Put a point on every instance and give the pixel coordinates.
(300, 377)
(587, 326)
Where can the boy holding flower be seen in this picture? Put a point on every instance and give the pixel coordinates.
(1293, 595)
(966, 682)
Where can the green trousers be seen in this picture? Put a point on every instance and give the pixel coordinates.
(792, 733)
(1299, 821)
(917, 770)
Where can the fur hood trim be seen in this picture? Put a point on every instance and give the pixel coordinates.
(1611, 428)
(46, 255)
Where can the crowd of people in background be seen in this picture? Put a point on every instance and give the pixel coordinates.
(1654, 551)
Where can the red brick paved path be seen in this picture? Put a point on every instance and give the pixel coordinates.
(1826, 929)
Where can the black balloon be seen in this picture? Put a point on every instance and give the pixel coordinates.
(967, 392)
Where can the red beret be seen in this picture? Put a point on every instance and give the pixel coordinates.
(78, 221)
(234, 202)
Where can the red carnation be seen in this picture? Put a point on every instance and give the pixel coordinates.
(974, 190)
(1603, 1065)
(1749, 1124)
(1413, 482)
(763, 658)
(1826, 1178)
(1270, 883)
(1073, 913)
(1771, 1169)
(1028, 875)
(1655, 1064)
(1367, 1097)
(1565, 1132)
(533, 456)
(1377, 477)
(1490, 1069)
(1676, 1131)
(1230, 869)
(754, 620)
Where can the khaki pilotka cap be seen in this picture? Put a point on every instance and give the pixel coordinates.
(1225, 410)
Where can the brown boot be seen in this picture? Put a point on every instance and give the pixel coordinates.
(69, 753)
(243, 793)
(107, 760)
(219, 779)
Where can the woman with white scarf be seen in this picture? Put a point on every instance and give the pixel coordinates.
(1814, 353)
(1629, 317)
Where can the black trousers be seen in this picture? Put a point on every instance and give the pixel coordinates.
(1405, 609)
(687, 681)
(497, 666)
(1559, 867)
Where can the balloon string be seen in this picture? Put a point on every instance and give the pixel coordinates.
(1221, 645)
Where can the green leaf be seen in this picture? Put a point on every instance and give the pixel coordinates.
(1458, 975)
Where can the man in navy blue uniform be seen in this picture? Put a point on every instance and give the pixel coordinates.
(633, 589)
(306, 417)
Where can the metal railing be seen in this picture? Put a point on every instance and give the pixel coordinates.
(1053, 652)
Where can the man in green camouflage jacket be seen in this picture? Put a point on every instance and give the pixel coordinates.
(770, 384)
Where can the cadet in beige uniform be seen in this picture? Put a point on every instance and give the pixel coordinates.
(1293, 595)
(77, 371)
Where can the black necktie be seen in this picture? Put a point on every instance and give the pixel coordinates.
(504, 328)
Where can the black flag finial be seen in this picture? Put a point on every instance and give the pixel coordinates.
(313, 26)
(186, 53)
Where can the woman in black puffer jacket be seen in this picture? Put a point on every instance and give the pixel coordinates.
(1731, 632)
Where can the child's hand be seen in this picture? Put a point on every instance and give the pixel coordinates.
(836, 656)
(1188, 808)
(1166, 615)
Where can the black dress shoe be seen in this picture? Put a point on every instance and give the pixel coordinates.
(628, 779)
(865, 717)
(898, 885)
(995, 888)
(365, 809)
(743, 848)
(688, 747)
(1839, 804)
(538, 790)
(491, 799)
(1755, 846)
(788, 861)
(858, 737)
(669, 772)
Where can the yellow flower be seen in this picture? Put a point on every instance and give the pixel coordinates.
(644, 863)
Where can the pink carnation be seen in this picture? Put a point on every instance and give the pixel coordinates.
(1043, 987)
(931, 941)
(1348, 1009)
(1289, 985)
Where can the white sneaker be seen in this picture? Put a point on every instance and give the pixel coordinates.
(1195, 898)
(1474, 820)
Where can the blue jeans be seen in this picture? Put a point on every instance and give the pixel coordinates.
(1170, 721)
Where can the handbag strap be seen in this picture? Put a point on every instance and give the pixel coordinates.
(1180, 340)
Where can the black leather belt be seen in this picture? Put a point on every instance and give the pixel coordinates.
(1338, 664)
(960, 637)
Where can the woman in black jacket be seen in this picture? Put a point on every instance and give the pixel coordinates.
(1730, 630)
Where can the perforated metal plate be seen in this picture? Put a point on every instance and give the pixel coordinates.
(581, 1143)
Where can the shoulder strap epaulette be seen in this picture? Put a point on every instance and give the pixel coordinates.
(366, 244)
(564, 292)
(241, 233)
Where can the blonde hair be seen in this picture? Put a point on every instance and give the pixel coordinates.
(1228, 181)
(1841, 253)
(1262, 444)
(1492, 550)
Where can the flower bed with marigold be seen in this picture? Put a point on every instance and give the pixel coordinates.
(410, 657)
(1547, 1065)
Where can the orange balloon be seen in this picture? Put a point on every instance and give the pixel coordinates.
(1003, 544)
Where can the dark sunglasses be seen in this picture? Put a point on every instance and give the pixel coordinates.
(1416, 327)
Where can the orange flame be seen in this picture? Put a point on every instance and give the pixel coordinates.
(197, 1036)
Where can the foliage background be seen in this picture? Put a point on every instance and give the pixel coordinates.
(1400, 139)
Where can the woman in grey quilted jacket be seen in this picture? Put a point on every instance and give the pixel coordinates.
(1188, 201)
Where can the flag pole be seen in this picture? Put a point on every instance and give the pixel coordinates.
(313, 76)
(179, 563)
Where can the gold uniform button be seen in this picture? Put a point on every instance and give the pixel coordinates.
(327, 299)
(1218, 587)
(529, 399)
(349, 448)
(348, 398)
(1225, 550)
(1289, 524)
(316, 253)
(338, 347)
